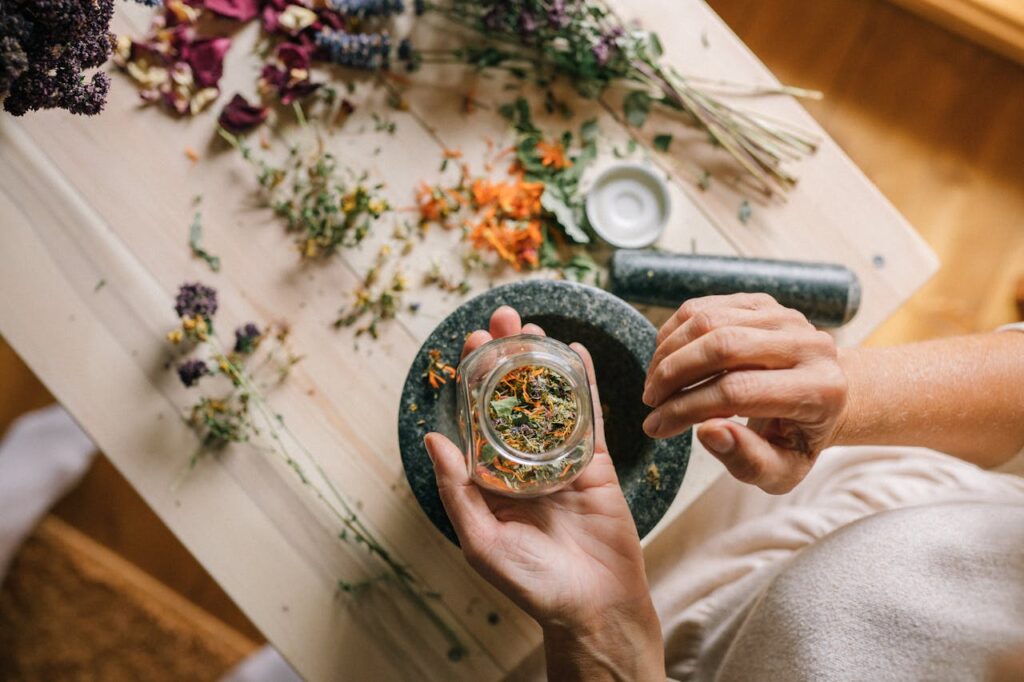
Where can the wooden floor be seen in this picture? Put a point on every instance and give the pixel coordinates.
(932, 119)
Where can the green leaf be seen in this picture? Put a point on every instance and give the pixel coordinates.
(636, 106)
(565, 216)
(589, 131)
(654, 45)
(745, 212)
(503, 408)
(195, 242)
(662, 142)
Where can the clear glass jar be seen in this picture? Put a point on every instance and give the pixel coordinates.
(525, 415)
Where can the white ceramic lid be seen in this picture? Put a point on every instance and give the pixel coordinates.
(628, 205)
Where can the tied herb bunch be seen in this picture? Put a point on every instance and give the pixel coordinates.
(45, 46)
(583, 42)
(238, 412)
(325, 211)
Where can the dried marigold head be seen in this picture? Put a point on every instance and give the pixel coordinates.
(553, 155)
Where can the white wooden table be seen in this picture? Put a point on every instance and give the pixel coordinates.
(110, 199)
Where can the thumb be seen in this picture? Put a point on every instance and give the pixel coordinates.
(752, 459)
(462, 499)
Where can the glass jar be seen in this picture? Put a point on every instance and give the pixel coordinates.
(525, 415)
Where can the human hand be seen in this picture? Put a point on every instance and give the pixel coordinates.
(746, 355)
(571, 559)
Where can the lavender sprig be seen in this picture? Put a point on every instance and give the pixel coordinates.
(363, 9)
(366, 51)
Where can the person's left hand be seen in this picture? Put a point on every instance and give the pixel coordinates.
(571, 559)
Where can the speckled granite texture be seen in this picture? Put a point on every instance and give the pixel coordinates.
(829, 295)
(621, 342)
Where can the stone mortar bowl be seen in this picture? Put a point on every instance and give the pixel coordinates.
(621, 341)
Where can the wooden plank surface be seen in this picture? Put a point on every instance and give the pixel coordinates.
(110, 199)
(996, 24)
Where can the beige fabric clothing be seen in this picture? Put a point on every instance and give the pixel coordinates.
(703, 599)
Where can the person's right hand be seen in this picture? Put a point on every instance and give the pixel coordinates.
(746, 355)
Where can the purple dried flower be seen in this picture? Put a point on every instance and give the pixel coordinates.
(246, 338)
(44, 47)
(527, 23)
(558, 18)
(196, 300)
(604, 48)
(191, 371)
(239, 116)
(368, 51)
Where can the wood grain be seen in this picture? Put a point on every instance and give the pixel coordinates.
(997, 24)
(110, 199)
(934, 121)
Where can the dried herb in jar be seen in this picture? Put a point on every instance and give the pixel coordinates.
(533, 409)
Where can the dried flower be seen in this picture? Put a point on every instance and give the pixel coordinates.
(173, 65)
(362, 9)
(45, 45)
(585, 43)
(437, 369)
(196, 300)
(367, 51)
(247, 338)
(191, 371)
(322, 209)
(243, 414)
(239, 116)
(239, 10)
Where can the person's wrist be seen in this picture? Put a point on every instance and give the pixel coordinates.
(841, 432)
(618, 642)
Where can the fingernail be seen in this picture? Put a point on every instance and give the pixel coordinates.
(428, 444)
(652, 423)
(647, 397)
(719, 441)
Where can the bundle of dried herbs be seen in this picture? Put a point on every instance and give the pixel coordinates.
(584, 43)
(237, 411)
(45, 46)
(322, 208)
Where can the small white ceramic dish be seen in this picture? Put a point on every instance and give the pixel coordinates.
(628, 205)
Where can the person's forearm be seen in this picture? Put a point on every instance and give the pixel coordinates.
(963, 396)
(619, 647)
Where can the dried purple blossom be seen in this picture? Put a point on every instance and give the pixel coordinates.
(527, 23)
(558, 18)
(605, 47)
(368, 51)
(239, 116)
(44, 47)
(191, 371)
(196, 300)
(361, 9)
(289, 73)
(246, 338)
